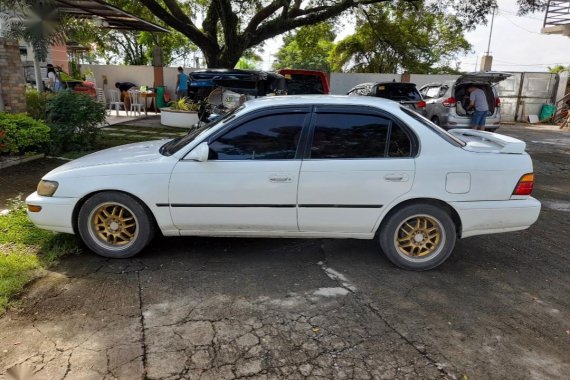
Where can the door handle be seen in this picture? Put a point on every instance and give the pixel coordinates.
(280, 179)
(396, 177)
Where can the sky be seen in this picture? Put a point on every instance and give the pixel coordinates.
(516, 43)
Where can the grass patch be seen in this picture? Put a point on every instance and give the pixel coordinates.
(24, 249)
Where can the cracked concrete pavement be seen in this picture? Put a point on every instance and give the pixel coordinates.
(212, 308)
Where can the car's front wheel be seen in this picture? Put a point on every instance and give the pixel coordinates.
(418, 236)
(114, 224)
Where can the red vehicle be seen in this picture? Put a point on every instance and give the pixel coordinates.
(302, 82)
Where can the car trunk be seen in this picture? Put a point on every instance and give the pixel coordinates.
(462, 97)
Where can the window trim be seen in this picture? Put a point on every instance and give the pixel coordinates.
(254, 115)
(360, 110)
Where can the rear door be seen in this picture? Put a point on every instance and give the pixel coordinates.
(357, 161)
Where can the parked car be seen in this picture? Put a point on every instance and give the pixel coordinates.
(447, 101)
(253, 83)
(305, 82)
(299, 167)
(405, 93)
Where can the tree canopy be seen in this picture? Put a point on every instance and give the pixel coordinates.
(395, 37)
(308, 48)
(229, 27)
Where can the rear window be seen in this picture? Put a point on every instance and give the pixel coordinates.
(434, 128)
(300, 84)
(398, 92)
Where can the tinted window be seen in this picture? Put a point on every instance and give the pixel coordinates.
(400, 144)
(398, 91)
(434, 128)
(304, 84)
(272, 137)
(349, 136)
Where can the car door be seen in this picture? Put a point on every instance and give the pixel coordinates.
(249, 182)
(357, 162)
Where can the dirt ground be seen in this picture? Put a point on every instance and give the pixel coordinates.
(213, 308)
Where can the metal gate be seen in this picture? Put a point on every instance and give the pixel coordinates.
(523, 94)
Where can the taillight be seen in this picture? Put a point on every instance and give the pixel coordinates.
(449, 102)
(421, 104)
(497, 101)
(525, 185)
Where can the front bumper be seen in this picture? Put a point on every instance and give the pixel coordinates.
(56, 213)
(489, 217)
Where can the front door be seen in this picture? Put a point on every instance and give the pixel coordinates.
(249, 182)
(358, 163)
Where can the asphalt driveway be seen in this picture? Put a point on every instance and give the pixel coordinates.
(214, 308)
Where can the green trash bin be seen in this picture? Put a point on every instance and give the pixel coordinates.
(547, 111)
(160, 96)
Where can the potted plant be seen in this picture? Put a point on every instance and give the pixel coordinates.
(180, 113)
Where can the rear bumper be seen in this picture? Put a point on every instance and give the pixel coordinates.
(490, 217)
(55, 215)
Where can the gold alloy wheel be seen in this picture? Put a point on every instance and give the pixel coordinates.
(419, 237)
(113, 225)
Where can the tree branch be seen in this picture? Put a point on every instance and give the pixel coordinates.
(264, 14)
(187, 28)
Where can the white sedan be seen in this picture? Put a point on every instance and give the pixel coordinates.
(299, 167)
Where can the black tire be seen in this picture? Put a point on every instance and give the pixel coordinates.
(435, 120)
(115, 225)
(418, 236)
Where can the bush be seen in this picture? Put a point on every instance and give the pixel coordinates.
(74, 119)
(22, 134)
(36, 104)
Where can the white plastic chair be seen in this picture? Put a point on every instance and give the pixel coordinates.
(100, 96)
(136, 105)
(116, 102)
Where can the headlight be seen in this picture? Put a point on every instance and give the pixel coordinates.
(47, 188)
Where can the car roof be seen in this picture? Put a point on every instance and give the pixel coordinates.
(300, 100)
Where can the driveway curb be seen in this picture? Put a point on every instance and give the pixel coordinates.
(19, 160)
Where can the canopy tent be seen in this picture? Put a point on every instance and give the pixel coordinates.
(107, 15)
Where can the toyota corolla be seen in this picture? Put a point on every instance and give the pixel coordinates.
(299, 167)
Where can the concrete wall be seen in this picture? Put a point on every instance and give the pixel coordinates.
(139, 75)
(12, 84)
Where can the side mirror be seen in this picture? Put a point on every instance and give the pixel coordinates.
(199, 153)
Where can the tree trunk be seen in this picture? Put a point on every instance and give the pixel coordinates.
(227, 58)
(2, 106)
(38, 74)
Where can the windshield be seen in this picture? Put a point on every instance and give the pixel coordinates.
(398, 92)
(178, 143)
(301, 84)
(434, 128)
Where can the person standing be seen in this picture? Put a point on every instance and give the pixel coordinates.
(478, 102)
(54, 81)
(181, 84)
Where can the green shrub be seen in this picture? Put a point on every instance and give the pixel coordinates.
(21, 134)
(36, 104)
(74, 119)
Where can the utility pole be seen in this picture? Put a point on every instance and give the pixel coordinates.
(487, 59)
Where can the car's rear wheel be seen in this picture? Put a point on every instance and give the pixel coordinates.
(114, 224)
(418, 237)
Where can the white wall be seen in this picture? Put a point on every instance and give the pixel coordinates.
(341, 83)
(139, 75)
(422, 79)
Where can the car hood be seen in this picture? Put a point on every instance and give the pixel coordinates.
(124, 154)
(483, 76)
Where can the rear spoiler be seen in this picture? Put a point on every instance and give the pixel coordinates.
(480, 141)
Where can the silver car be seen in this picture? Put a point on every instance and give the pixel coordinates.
(446, 102)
